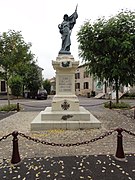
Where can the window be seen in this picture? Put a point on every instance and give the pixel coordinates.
(77, 75)
(85, 75)
(86, 85)
(3, 86)
(77, 86)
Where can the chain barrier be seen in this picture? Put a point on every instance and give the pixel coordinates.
(125, 108)
(88, 105)
(129, 132)
(132, 107)
(5, 137)
(129, 108)
(68, 144)
(119, 152)
(48, 105)
(33, 106)
(93, 104)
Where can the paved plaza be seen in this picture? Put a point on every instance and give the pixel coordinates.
(95, 160)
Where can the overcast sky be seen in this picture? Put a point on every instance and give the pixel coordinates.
(38, 22)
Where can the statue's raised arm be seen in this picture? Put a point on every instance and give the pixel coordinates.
(76, 7)
(65, 29)
(73, 18)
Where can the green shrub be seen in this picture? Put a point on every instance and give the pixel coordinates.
(129, 95)
(12, 107)
(120, 105)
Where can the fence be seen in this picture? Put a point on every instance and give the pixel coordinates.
(119, 151)
(88, 105)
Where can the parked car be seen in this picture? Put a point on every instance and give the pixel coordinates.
(42, 94)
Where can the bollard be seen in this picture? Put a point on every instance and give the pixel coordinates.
(18, 108)
(120, 153)
(15, 154)
(110, 105)
(134, 112)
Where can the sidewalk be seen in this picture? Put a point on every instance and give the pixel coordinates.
(93, 161)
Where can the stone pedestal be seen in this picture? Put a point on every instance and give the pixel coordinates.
(65, 112)
(65, 67)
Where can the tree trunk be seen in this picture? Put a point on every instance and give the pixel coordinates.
(23, 91)
(92, 89)
(8, 97)
(105, 87)
(117, 91)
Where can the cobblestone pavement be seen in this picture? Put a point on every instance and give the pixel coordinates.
(41, 161)
(110, 119)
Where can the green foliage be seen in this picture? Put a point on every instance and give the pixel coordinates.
(32, 79)
(47, 85)
(18, 63)
(129, 95)
(14, 54)
(120, 105)
(15, 83)
(108, 48)
(11, 107)
(13, 51)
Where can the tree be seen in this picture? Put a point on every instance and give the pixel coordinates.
(47, 85)
(108, 48)
(15, 83)
(32, 79)
(14, 52)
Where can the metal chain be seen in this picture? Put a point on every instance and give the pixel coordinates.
(129, 132)
(80, 104)
(5, 137)
(33, 106)
(132, 107)
(93, 104)
(68, 144)
(128, 108)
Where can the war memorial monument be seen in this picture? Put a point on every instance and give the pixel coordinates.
(65, 112)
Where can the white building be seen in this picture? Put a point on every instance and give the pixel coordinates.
(85, 84)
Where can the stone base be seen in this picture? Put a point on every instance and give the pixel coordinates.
(73, 120)
(64, 52)
(65, 112)
(72, 100)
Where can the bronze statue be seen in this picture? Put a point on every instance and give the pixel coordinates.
(65, 29)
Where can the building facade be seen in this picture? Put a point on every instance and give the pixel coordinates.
(3, 89)
(85, 84)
